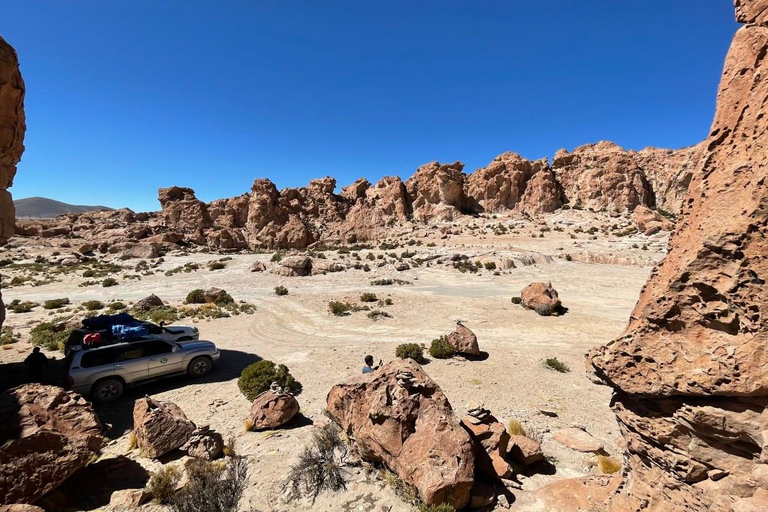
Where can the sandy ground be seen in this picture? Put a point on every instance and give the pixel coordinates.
(321, 349)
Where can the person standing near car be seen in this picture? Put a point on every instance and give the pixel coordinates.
(36, 363)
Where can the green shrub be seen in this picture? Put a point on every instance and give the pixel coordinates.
(196, 296)
(216, 265)
(167, 314)
(21, 307)
(276, 257)
(436, 508)
(411, 350)
(281, 290)
(368, 297)
(223, 299)
(441, 349)
(108, 282)
(46, 335)
(489, 265)
(517, 300)
(338, 308)
(257, 377)
(93, 305)
(554, 364)
(544, 310)
(55, 303)
(89, 273)
(116, 306)
(377, 313)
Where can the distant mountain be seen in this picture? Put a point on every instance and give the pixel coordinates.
(44, 208)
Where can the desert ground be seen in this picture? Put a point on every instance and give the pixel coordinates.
(598, 274)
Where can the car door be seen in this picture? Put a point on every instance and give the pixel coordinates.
(163, 358)
(131, 362)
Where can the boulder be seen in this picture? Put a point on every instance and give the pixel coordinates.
(148, 303)
(525, 450)
(400, 417)
(464, 341)
(577, 439)
(295, 266)
(128, 499)
(491, 442)
(542, 298)
(649, 221)
(272, 409)
(320, 267)
(258, 266)
(205, 443)
(160, 427)
(46, 434)
(211, 295)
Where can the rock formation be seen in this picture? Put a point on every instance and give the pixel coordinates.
(12, 129)
(398, 416)
(689, 373)
(436, 191)
(272, 409)
(464, 341)
(46, 434)
(160, 427)
(491, 442)
(501, 184)
(542, 298)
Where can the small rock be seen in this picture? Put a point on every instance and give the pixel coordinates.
(577, 439)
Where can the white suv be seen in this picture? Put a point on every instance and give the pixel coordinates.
(104, 371)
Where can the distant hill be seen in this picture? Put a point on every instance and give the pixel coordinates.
(44, 208)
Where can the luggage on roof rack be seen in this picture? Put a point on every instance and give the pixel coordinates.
(102, 322)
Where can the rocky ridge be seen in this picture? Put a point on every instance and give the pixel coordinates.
(602, 177)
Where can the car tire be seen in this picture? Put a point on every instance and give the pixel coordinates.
(107, 390)
(200, 367)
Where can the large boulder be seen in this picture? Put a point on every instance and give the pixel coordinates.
(649, 221)
(491, 442)
(436, 191)
(400, 417)
(272, 409)
(542, 298)
(148, 303)
(689, 371)
(295, 266)
(204, 443)
(160, 427)
(464, 341)
(46, 434)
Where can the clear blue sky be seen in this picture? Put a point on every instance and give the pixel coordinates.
(125, 97)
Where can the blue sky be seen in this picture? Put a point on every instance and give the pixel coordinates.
(126, 97)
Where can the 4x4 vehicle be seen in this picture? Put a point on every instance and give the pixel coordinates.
(104, 371)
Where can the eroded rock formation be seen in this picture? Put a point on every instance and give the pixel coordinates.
(398, 416)
(46, 434)
(689, 373)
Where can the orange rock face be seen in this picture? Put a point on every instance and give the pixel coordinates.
(689, 373)
(12, 129)
(410, 427)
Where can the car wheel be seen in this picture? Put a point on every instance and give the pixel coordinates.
(107, 390)
(200, 366)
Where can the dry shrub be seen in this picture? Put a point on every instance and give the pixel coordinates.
(162, 483)
(405, 491)
(608, 465)
(515, 428)
(319, 466)
(229, 447)
(212, 486)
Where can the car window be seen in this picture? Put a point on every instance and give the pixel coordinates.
(135, 351)
(97, 358)
(157, 347)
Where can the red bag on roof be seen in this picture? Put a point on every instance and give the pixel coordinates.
(92, 338)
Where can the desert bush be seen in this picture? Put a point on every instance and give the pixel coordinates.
(212, 486)
(441, 349)
(116, 306)
(49, 336)
(405, 491)
(383, 282)
(568, 257)
(554, 364)
(162, 483)
(377, 313)
(281, 290)
(517, 300)
(515, 428)
(229, 446)
(216, 265)
(21, 307)
(167, 314)
(489, 265)
(608, 465)
(55, 303)
(8, 337)
(544, 310)
(109, 282)
(436, 508)
(93, 305)
(89, 273)
(257, 377)
(411, 351)
(368, 297)
(196, 296)
(319, 466)
(338, 308)
(223, 299)
(276, 257)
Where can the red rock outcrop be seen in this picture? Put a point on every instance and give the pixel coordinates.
(436, 191)
(182, 209)
(398, 416)
(272, 409)
(542, 298)
(502, 183)
(464, 341)
(160, 427)
(542, 194)
(46, 434)
(689, 373)
(12, 129)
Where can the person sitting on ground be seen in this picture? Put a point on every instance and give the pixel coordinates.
(368, 368)
(36, 363)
